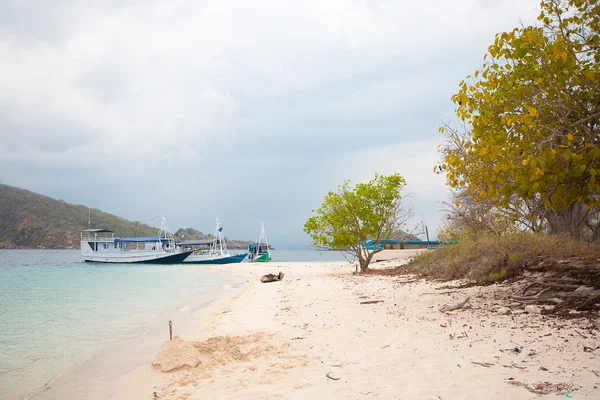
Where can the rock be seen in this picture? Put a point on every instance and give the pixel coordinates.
(531, 309)
(503, 310)
(518, 312)
(175, 354)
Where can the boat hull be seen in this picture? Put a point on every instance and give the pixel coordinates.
(263, 258)
(167, 258)
(218, 260)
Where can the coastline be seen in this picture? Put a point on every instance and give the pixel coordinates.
(311, 335)
(98, 376)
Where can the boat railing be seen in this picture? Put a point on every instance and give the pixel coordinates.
(96, 239)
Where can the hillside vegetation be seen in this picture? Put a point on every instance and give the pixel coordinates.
(194, 234)
(30, 220)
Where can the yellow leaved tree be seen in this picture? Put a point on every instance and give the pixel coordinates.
(532, 115)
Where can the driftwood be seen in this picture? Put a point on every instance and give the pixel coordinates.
(371, 302)
(483, 364)
(272, 278)
(455, 306)
(566, 294)
(331, 377)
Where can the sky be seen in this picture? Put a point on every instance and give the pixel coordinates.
(245, 110)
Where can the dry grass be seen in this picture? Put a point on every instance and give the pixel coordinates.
(495, 258)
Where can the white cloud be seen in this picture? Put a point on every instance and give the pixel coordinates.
(193, 88)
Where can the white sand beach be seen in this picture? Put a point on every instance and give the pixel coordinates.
(310, 336)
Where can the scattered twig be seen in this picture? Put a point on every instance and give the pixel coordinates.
(331, 377)
(483, 364)
(580, 334)
(514, 366)
(371, 302)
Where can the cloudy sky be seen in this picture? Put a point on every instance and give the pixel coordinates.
(241, 109)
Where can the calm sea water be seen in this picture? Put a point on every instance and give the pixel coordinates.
(63, 317)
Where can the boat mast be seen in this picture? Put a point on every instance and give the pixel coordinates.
(219, 238)
(263, 233)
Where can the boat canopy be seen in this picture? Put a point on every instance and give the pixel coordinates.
(97, 230)
(200, 242)
(262, 244)
(138, 239)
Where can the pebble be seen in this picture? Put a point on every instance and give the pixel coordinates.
(531, 309)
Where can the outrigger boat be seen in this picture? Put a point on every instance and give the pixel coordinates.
(160, 249)
(215, 251)
(260, 251)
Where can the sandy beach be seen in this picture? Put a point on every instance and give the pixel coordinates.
(325, 333)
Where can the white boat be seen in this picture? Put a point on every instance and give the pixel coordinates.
(212, 251)
(97, 246)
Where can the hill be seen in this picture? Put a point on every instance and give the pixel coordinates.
(193, 234)
(30, 220)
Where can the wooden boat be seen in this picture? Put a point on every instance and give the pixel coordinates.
(260, 251)
(212, 251)
(98, 246)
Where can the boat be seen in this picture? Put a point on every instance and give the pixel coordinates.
(98, 246)
(260, 251)
(212, 251)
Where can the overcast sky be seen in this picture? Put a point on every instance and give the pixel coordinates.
(241, 109)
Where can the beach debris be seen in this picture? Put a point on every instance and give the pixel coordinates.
(503, 310)
(564, 292)
(371, 302)
(170, 330)
(175, 354)
(455, 306)
(545, 387)
(272, 278)
(331, 377)
(483, 364)
(532, 309)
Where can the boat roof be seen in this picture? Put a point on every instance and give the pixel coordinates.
(199, 242)
(138, 239)
(97, 230)
(259, 244)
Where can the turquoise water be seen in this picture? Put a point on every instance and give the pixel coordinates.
(78, 326)
(57, 312)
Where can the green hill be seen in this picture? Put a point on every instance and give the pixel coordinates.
(29, 220)
(193, 234)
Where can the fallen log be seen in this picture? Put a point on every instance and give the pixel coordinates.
(455, 306)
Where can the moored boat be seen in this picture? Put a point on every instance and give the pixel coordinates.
(212, 251)
(260, 251)
(97, 246)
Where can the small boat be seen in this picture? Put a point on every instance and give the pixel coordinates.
(214, 252)
(260, 251)
(160, 249)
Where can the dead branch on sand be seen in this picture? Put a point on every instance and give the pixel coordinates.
(455, 306)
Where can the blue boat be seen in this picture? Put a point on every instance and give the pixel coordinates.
(212, 251)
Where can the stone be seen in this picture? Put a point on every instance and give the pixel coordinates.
(503, 310)
(532, 309)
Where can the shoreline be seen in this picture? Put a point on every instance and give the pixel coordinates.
(312, 334)
(97, 377)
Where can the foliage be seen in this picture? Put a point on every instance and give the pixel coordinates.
(30, 220)
(531, 119)
(492, 258)
(194, 234)
(354, 214)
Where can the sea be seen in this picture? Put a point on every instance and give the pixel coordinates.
(67, 326)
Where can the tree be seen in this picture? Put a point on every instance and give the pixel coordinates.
(532, 118)
(352, 215)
